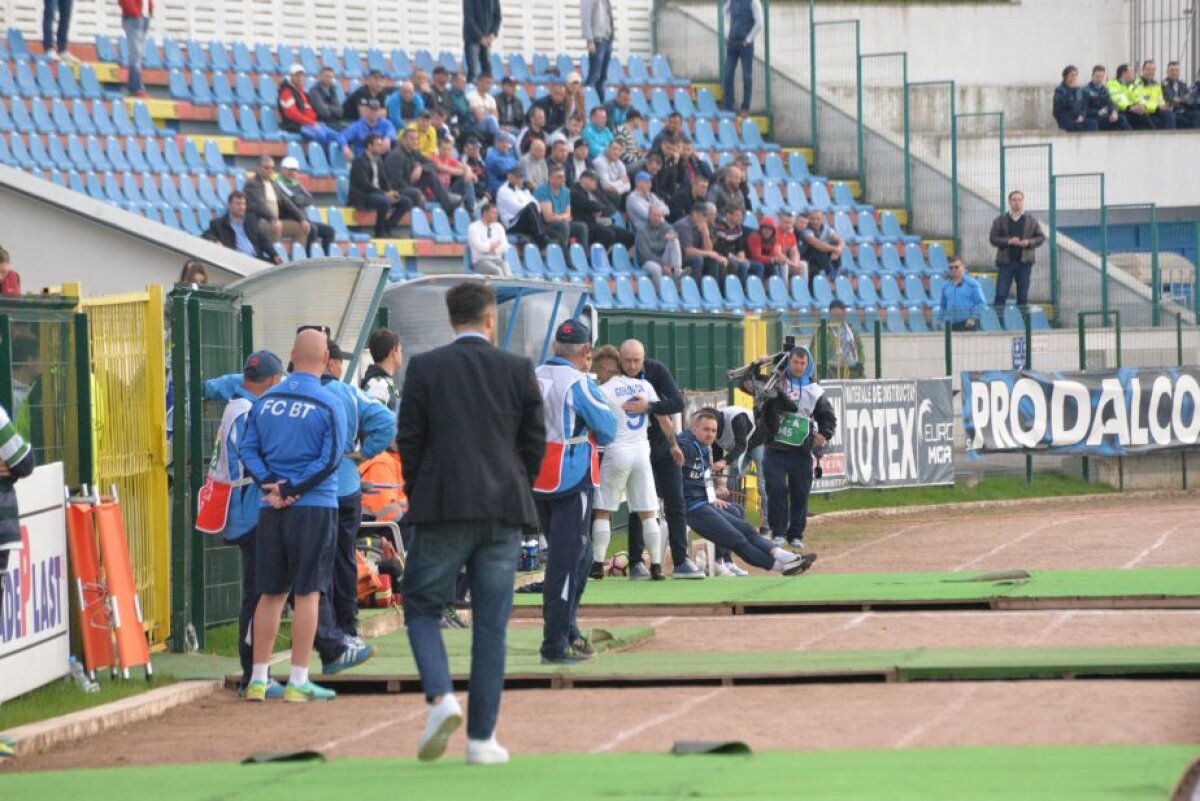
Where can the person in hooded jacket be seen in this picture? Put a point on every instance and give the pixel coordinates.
(797, 420)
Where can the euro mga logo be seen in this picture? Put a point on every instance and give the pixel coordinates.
(938, 437)
(38, 589)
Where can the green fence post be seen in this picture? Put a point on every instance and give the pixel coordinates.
(823, 349)
(6, 395)
(907, 147)
(1082, 367)
(858, 79)
(949, 347)
(83, 376)
(878, 349)
(721, 46)
(179, 485)
(1028, 366)
(1103, 253)
(247, 320)
(193, 474)
(1196, 270)
(1053, 236)
(1179, 362)
(1155, 276)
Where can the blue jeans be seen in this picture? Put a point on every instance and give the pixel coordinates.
(489, 550)
(49, 7)
(321, 133)
(789, 473)
(736, 51)
(135, 36)
(566, 522)
(477, 60)
(729, 531)
(488, 126)
(1005, 275)
(598, 66)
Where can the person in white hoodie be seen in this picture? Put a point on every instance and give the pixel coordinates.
(743, 23)
(596, 23)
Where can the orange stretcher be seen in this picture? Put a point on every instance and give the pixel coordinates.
(92, 595)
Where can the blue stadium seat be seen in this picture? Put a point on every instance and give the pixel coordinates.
(703, 137)
(97, 157)
(21, 119)
(114, 193)
(616, 73)
(777, 295)
(443, 232)
(752, 138)
(68, 87)
(938, 263)
(638, 74)
(531, 265)
(1037, 319)
(172, 54)
(798, 168)
(297, 252)
(727, 136)
(660, 104)
(802, 299)
(647, 297)
(151, 56)
(218, 57)
(689, 294)
(401, 64)
(462, 221)
(94, 188)
(47, 84)
(556, 265)
(988, 321)
(287, 57)
(818, 197)
(240, 60)
(308, 60)
(892, 230)
(706, 103)
(842, 198)
(577, 262)
(214, 162)
(223, 188)
(377, 61)
(889, 291)
(244, 89)
(735, 297)
(914, 261)
(599, 260)
(82, 121)
(661, 69)
(89, 84)
(221, 92)
(449, 61)
(1013, 321)
(75, 182)
(150, 161)
(6, 122)
(43, 159)
(772, 199)
(621, 262)
(268, 91)
(318, 165)
(142, 121)
(8, 87)
(867, 297)
(149, 189)
(171, 193)
(76, 151)
(867, 230)
(228, 126)
(420, 225)
(6, 156)
(602, 297)
(264, 60)
(42, 120)
(890, 260)
(352, 66)
(342, 233)
(893, 321)
(197, 59)
(844, 290)
(844, 228)
(626, 297)
(668, 296)
(104, 48)
(194, 221)
(178, 87)
(192, 157)
(208, 194)
(914, 292)
(711, 299)
(173, 156)
(822, 292)
(565, 67)
(916, 320)
(62, 118)
(756, 293)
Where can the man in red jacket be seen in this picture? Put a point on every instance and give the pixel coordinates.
(296, 113)
(135, 19)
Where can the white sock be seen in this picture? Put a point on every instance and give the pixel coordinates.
(299, 675)
(784, 556)
(260, 672)
(601, 534)
(779, 566)
(652, 537)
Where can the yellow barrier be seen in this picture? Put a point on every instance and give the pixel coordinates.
(755, 343)
(129, 429)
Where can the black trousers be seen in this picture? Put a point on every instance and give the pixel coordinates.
(388, 212)
(531, 225)
(337, 617)
(668, 482)
(250, 596)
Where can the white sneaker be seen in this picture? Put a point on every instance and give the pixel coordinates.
(721, 569)
(53, 55)
(734, 570)
(70, 57)
(486, 752)
(444, 718)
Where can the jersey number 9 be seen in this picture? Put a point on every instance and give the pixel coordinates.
(634, 422)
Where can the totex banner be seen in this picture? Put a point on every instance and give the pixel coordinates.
(889, 434)
(1095, 413)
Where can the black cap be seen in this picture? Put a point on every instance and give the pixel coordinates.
(335, 352)
(836, 304)
(573, 332)
(375, 74)
(589, 174)
(516, 169)
(369, 102)
(579, 142)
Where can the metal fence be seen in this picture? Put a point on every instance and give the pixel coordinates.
(835, 71)
(882, 103)
(934, 210)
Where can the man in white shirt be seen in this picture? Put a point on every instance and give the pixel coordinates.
(483, 107)
(641, 200)
(519, 212)
(488, 243)
(614, 177)
(626, 470)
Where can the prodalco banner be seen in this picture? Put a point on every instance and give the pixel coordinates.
(889, 434)
(1100, 413)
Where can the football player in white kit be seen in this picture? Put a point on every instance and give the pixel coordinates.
(626, 470)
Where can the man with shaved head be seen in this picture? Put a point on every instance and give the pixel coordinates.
(665, 459)
(292, 446)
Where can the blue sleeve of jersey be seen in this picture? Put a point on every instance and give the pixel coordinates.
(332, 445)
(593, 410)
(250, 452)
(222, 388)
(376, 425)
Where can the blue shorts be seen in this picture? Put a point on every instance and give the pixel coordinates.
(295, 549)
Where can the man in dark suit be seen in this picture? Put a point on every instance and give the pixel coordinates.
(239, 230)
(370, 189)
(471, 439)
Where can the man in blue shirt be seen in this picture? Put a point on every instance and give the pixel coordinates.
(721, 522)
(962, 301)
(555, 199)
(292, 447)
(372, 119)
(597, 134)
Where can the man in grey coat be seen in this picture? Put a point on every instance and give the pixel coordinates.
(596, 22)
(1016, 235)
(657, 248)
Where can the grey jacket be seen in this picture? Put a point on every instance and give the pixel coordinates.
(596, 20)
(651, 243)
(999, 238)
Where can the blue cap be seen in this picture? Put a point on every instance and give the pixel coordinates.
(643, 176)
(262, 365)
(573, 332)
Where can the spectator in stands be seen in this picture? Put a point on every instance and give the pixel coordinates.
(438, 95)
(456, 177)
(1151, 93)
(10, 279)
(554, 105)
(370, 189)
(483, 107)
(578, 163)
(499, 160)
(325, 100)
(614, 178)
(372, 120)
(1070, 106)
(289, 184)
(1196, 87)
(534, 165)
(619, 107)
(743, 22)
(404, 105)
(641, 200)
(535, 131)
(672, 176)
(596, 21)
(573, 129)
(554, 198)
(839, 353)
(631, 154)
(593, 207)
(822, 248)
(240, 231)
(693, 165)
(672, 129)
(726, 192)
(441, 129)
(576, 99)
(730, 241)
(374, 88)
(560, 151)
(1016, 235)
(657, 248)
(510, 112)
(481, 25)
(472, 150)
(409, 169)
(962, 303)
(1182, 100)
(786, 234)
(765, 248)
(277, 215)
(520, 214)
(135, 21)
(686, 197)
(1128, 100)
(460, 104)
(421, 82)
(379, 380)
(296, 114)
(597, 135)
(488, 242)
(55, 47)
(654, 166)
(427, 133)
(700, 258)
(194, 272)
(1099, 104)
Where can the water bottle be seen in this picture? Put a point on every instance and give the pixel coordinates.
(191, 642)
(529, 555)
(80, 677)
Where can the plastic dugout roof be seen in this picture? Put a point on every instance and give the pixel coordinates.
(343, 294)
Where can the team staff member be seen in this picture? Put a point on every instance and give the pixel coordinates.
(735, 427)
(720, 521)
(471, 440)
(577, 420)
(668, 480)
(379, 381)
(262, 371)
(292, 447)
(798, 419)
(372, 426)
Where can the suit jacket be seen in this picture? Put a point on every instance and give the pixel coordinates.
(471, 435)
(360, 181)
(256, 201)
(220, 231)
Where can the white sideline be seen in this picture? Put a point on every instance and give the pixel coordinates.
(658, 720)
